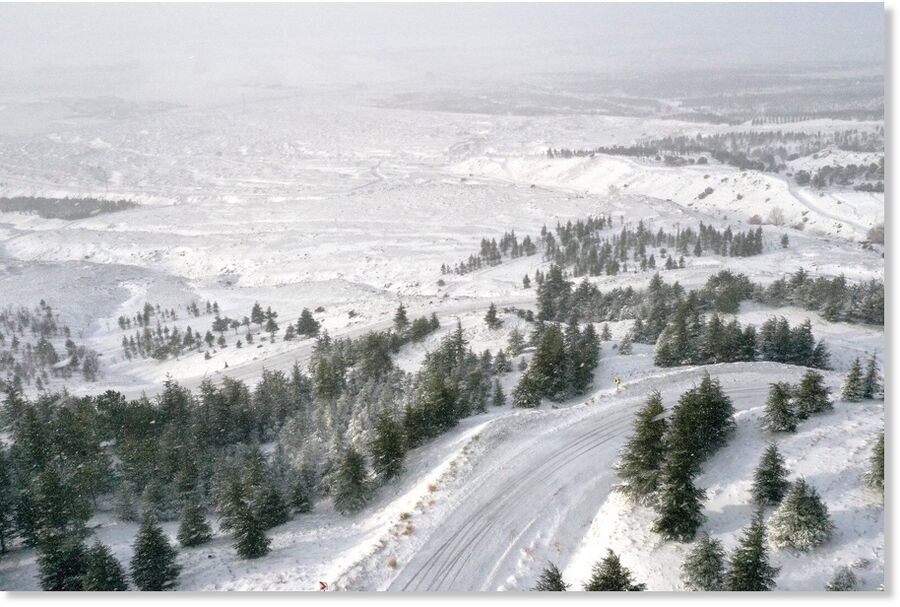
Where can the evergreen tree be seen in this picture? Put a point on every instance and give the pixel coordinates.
(605, 334)
(527, 393)
(301, 498)
(625, 346)
(770, 478)
(7, 502)
(854, 389)
(306, 324)
(843, 580)
(491, 319)
(679, 504)
(62, 562)
(780, 415)
(249, 533)
(801, 521)
(551, 580)
(516, 342)
(811, 396)
(104, 573)
(750, 568)
(609, 575)
(498, 398)
(270, 507)
(875, 474)
(642, 457)
(401, 322)
(351, 490)
(871, 384)
(704, 568)
(193, 530)
(387, 448)
(154, 566)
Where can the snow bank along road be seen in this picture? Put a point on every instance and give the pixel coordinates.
(531, 499)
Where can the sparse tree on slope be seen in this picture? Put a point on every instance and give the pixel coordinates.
(193, 529)
(154, 565)
(387, 448)
(491, 319)
(770, 478)
(498, 398)
(551, 580)
(854, 390)
(642, 457)
(401, 322)
(104, 573)
(249, 531)
(750, 568)
(704, 568)
(871, 385)
(62, 563)
(679, 504)
(610, 575)
(351, 491)
(811, 395)
(843, 580)
(780, 415)
(801, 521)
(875, 474)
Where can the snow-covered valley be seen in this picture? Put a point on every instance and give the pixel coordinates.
(347, 204)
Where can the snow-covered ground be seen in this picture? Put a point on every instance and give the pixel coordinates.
(298, 203)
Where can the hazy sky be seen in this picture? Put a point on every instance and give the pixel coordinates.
(165, 50)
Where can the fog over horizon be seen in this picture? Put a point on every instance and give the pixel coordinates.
(199, 54)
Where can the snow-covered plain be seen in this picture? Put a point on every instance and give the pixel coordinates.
(296, 203)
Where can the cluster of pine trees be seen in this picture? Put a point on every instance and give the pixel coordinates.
(562, 366)
(833, 298)
(491, 253)
(28, 355)
(746, 150)
(607, 575)
(872, 176)
(659, 462)
(689, 339)
(585, 248)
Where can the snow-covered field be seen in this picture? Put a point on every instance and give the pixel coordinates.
(297, 203)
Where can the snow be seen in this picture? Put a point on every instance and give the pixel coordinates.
(301, 203)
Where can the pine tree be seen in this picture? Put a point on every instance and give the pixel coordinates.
(679, 504)
(387, 448)
(551, 580)
(249, 533)
(62, 562)
(7, 502)
(854, 389)
(516, 343)
(801, 521)
(843, 580)
(491, 319)
(642, 457)
(527, 393)
(306, 324)
(704, 568)
(750, 568)
(351, 490)
(605, 334)
(301, 498)
(609, 575)
(811, 396)
(875, 474)
(770, 478)
(498, 398)
(625, 346)
(193, 530)
(270, 507)
(104, 573)
(780, 414)
(871, 384)
(401, 322)
(154, 566)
